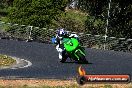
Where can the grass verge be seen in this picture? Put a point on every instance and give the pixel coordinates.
(6, 60)
(52, 83)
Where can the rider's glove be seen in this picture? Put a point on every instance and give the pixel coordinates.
(54, 40)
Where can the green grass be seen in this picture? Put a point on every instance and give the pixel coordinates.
(78, 15)
(6, 60)
(108, 86)
(4, 27)
(1, 86)
(4, 19)
(72, 20)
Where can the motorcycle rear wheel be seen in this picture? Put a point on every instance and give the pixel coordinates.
(82, 58)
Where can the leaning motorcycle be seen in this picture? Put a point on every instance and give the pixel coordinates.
(73, 50)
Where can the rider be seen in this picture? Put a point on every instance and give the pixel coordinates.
(59, 37)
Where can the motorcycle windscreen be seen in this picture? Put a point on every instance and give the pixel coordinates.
(71, 44)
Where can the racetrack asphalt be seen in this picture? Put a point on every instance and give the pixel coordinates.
(45, 63)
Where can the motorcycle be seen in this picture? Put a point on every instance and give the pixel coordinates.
(73, 50)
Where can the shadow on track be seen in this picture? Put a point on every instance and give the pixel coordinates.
(68, 62)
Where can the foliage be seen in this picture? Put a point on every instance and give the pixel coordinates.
(120, 20)
(39, 13)
(95, 25)
(72, 21)
(3, 7)
(4, 19)
(51, 13)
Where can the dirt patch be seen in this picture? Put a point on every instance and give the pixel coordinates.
(51, 83)
(37, 83)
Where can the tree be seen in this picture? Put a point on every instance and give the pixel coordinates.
(120, 20)
(3, 7)
(39, 13)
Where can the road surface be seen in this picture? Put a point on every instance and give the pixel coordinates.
(45, 64)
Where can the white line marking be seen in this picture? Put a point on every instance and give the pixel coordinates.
(18, 61)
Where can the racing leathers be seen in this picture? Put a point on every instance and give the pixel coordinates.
(60, 48)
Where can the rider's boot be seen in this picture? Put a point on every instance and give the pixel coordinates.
(61, 52)
(60, 55)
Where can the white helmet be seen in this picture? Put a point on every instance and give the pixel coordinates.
(61, 32)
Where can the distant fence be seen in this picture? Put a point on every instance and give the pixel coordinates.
(31, 33)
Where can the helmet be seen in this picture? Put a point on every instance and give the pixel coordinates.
(61, 32)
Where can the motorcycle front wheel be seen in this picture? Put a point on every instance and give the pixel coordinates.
(65, 56)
